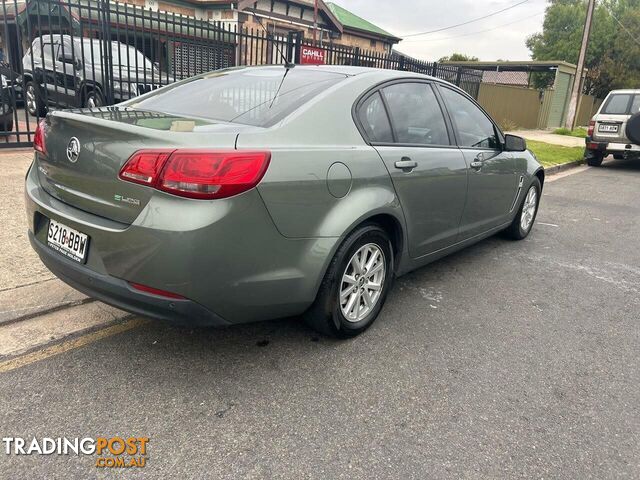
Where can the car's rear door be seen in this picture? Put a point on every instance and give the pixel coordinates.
(611, 121)
(409, 130)
(493, 179)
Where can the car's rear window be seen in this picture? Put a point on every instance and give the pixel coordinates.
(252, 96)
(622, 104)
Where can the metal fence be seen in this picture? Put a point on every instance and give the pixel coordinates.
(79, 53)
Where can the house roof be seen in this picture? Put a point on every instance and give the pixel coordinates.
(354, 22)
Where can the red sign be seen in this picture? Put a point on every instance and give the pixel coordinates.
(312, 56)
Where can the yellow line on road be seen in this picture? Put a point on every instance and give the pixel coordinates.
(63, 347)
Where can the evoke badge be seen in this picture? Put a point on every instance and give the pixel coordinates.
(73, 150)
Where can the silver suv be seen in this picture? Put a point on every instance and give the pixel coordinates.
(606, 133)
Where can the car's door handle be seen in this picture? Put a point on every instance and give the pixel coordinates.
(406, 164)
(477, 162)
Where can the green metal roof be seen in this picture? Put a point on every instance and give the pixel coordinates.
(351, 20)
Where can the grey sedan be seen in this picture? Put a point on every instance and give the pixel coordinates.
(255, 193)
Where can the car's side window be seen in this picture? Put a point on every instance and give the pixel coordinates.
(36, 50)
(473, 127)
(373, 118)
(635, 105)
(416, 114)
(49, 51)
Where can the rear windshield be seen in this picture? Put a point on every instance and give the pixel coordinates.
(248, 96)
(622, 104)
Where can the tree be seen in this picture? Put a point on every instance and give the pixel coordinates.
(458, 57)
(612, 57)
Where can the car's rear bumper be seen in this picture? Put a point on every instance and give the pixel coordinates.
(225, 256)
(613, 147)
(120, 294)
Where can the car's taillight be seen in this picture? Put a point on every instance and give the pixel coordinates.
(592, 126)
(144, 166)
(38, 137)
(202, 174)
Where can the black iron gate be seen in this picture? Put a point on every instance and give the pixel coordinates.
(86, 53)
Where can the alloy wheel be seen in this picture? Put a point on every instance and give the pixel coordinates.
(31, 100)
(362, 282)
(529, 209)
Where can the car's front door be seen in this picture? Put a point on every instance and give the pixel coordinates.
(429, 174)
(493, 180)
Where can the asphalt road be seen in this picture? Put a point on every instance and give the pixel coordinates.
(509, 359)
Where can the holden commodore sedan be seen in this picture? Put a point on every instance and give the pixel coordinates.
(255, 193)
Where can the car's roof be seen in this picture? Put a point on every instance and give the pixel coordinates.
(628, 90)
(350, 70)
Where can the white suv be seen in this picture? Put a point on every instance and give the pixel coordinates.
(606, 133)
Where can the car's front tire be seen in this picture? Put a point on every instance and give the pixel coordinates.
(355, 285)
(523, 221)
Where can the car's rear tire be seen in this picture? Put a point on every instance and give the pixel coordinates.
(7, 125)
(523, 221)
(593, 159)
(618, 156)
(33, 98)
(93, 99)
(355, 285)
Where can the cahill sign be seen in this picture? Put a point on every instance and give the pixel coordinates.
(312, 56)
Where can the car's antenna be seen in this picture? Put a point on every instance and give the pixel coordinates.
(287, 64)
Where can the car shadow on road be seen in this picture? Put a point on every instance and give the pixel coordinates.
(629, 164)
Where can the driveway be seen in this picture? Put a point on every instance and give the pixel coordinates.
(509, 359)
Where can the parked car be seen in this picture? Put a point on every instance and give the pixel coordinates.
(254, 193)
(68, 72)
(7, 101)
(606, 134)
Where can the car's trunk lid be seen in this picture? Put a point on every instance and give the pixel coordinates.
(106, 138)
(611, 128)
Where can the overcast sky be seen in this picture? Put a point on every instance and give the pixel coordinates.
(505, 41)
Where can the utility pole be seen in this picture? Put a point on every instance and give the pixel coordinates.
(577, 81)
(315, 20)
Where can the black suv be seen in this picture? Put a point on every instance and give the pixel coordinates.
(6, 99)
(69, 72)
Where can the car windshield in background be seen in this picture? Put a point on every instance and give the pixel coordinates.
(251, 96)
(121, 55)
(622, 104)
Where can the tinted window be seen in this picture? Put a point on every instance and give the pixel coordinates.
(617, 104)
(255, 96)
(374, 120)
(416, 114)
(635, 105)
(473, 127)
(49, 50)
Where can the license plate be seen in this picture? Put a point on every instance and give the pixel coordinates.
(608, 128)
(67, 241)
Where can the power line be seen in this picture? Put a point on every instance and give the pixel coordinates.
(479, 31)
(467, 22)
(624, 28)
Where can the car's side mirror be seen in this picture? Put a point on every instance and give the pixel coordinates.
(77, 64)
(513, 143)
(633, 129)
